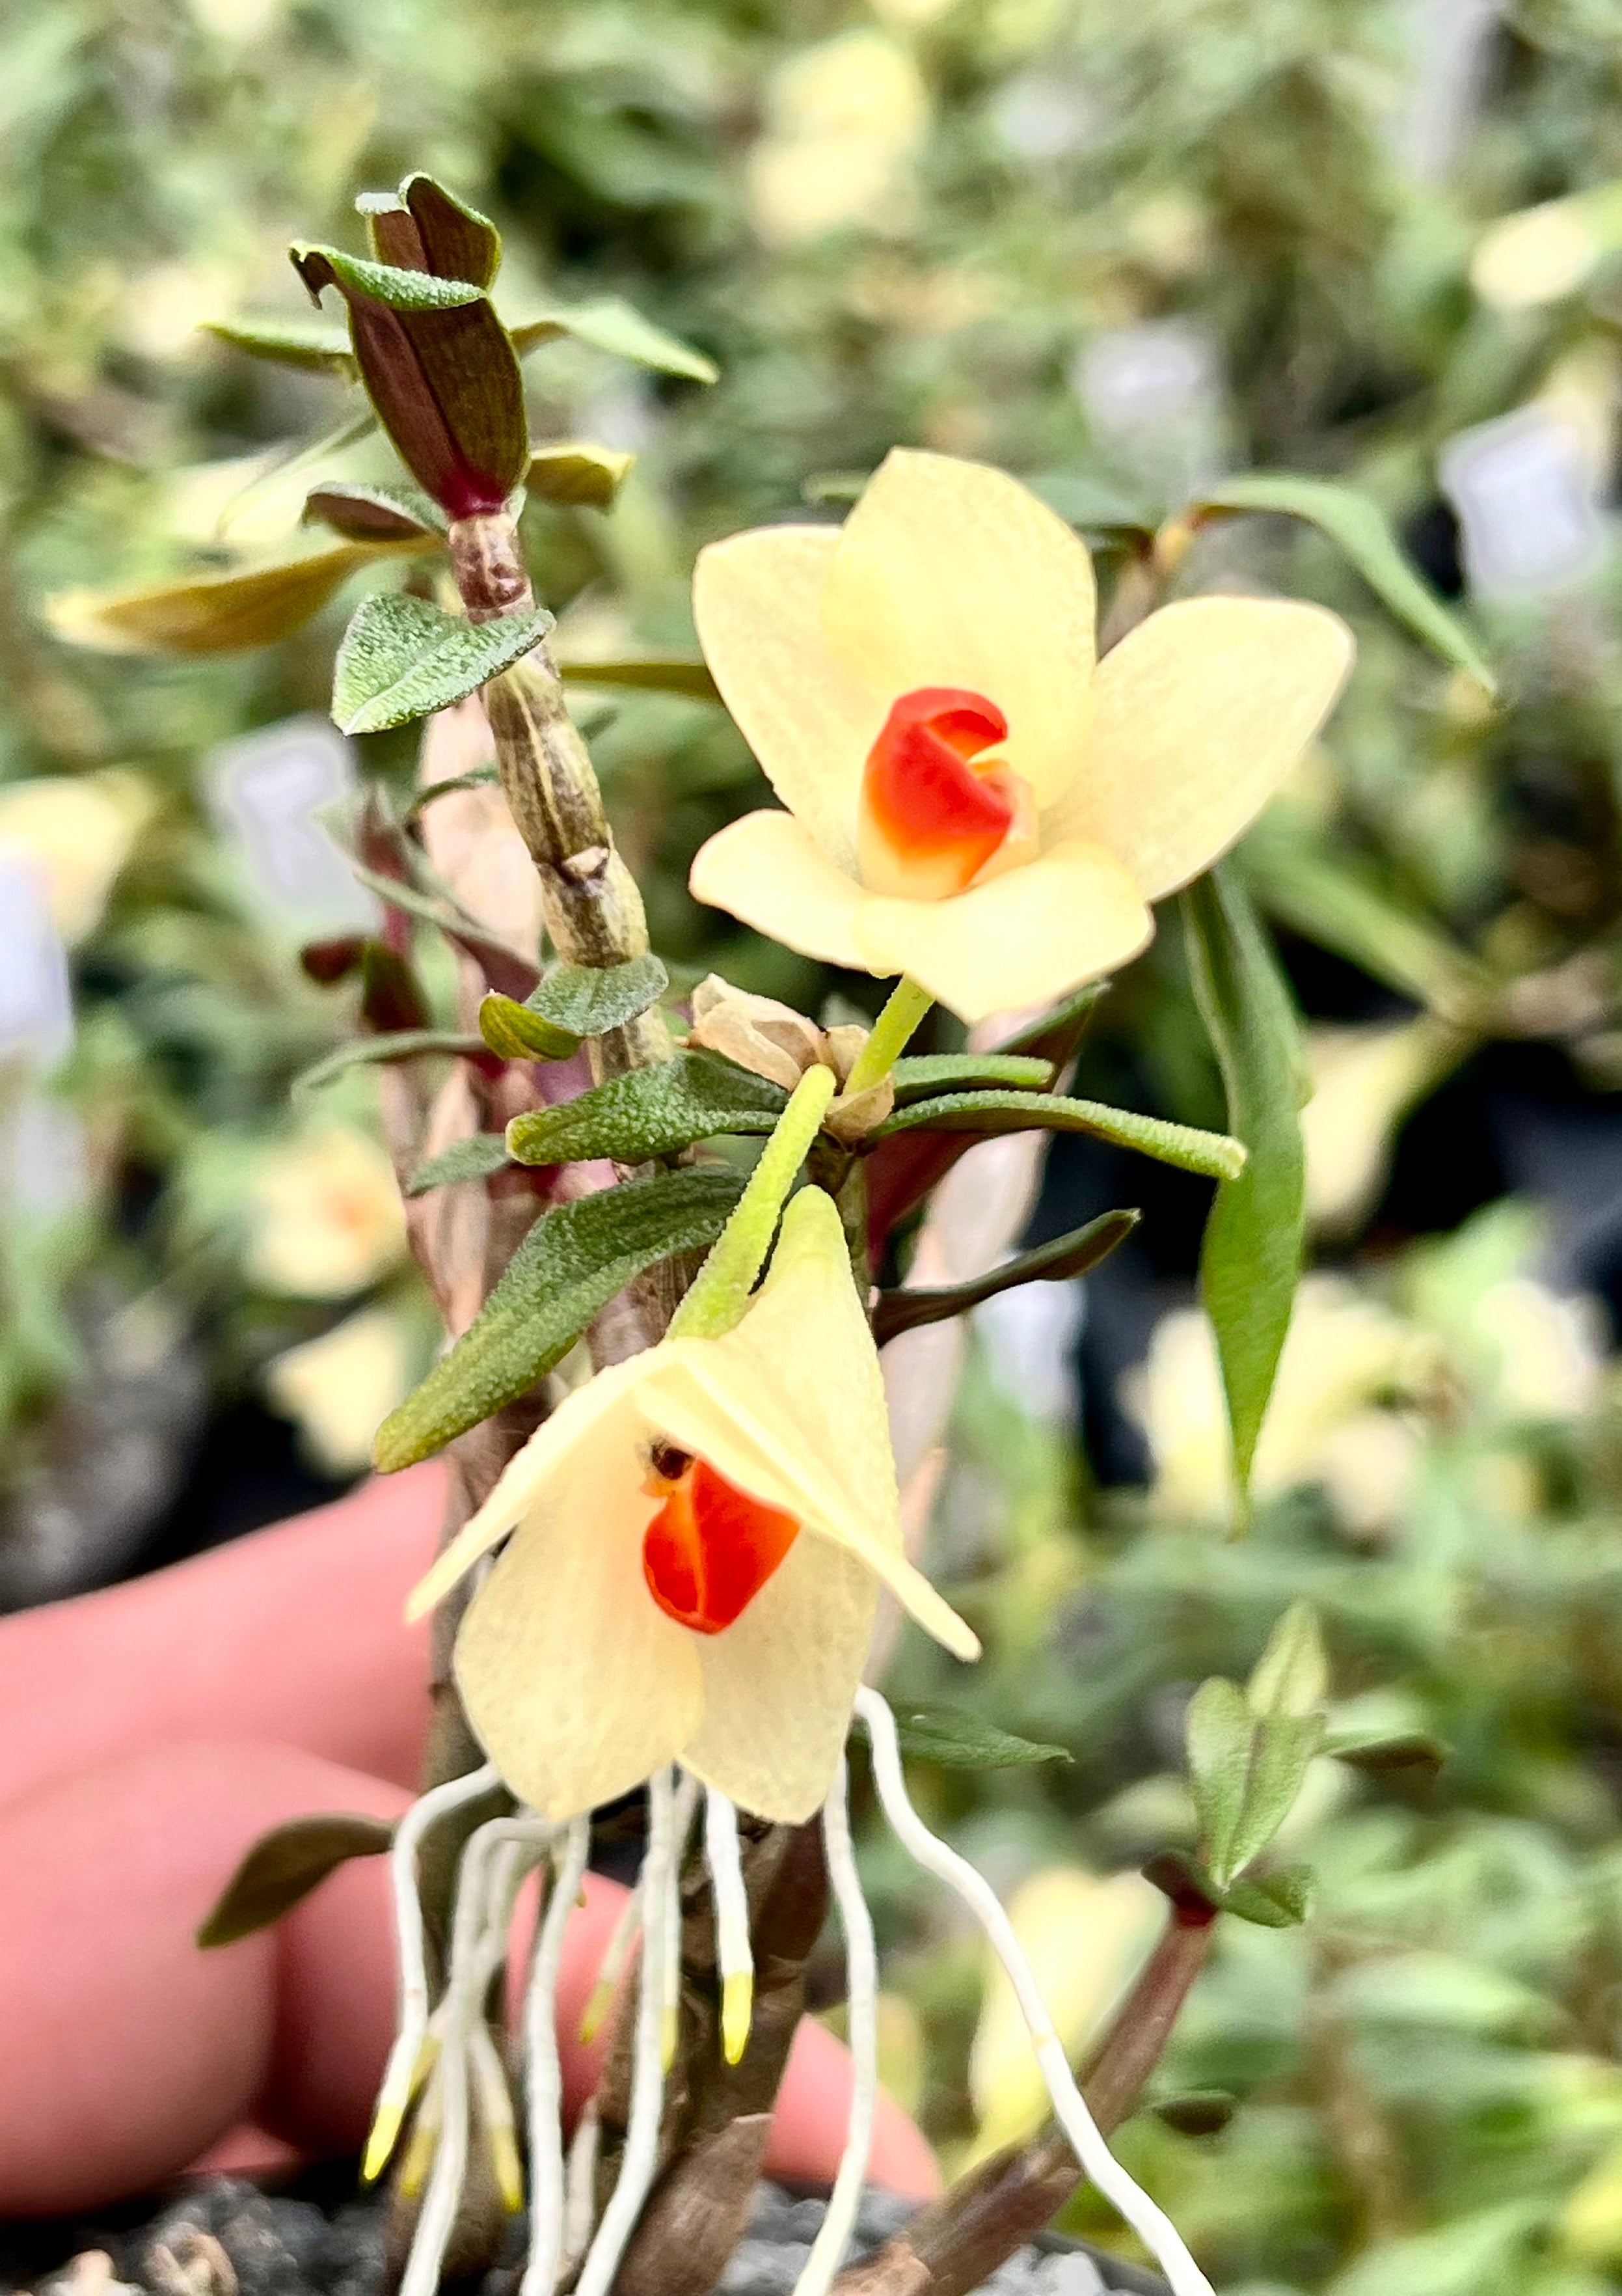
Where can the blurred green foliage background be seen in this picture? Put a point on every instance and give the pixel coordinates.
(1122, 247)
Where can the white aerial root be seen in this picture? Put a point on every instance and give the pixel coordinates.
(734, 1955)
(1153, 2225)
(601, 1999)
(411, 2057)
(640, 2157)
(685, 1802)
(862, 1968)
(543, 2075)
(580, 2183)
(487, 1882)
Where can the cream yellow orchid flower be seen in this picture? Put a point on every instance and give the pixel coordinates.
(970, 801)
(701, 1537)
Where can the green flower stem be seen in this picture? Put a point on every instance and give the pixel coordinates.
(892, 1032)
(721, 1288)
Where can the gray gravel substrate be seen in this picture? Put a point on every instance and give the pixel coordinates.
(228, 2238)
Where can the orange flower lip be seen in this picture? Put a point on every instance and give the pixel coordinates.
(930, 817)
(710, 1548)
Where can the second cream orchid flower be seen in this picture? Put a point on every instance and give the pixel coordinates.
(700, 1534)
(972, 801)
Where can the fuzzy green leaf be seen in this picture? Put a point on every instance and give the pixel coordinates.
(1386, 1754)
(1359, 528)
(1049, 1263)
(212, 613)
(571, 472)
(1281, 1748)
(376, 1052)
(283, 1867)
(648, 674)
(919, 1077)
(313, 345)
(1279, 1900)
(1220, 1731)
(516, 1033)
(649, 1112)
(402, 659)
(1291, 1676)
(955, 1741)
(468, 1160)
(393, 286)
(377, 514)
(570, 1265)
(589, 1000)
(1251, 1258)
(611, 325)
(1210, 1153)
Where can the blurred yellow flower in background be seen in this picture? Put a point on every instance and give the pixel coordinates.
(970, 803)
(337, 1388)
(77, 832)
(845, 122)
(740, 1495)
(324, 1214)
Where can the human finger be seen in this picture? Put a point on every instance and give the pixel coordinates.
(294, 1635)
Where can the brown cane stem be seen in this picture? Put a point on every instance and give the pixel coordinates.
(959, 2239)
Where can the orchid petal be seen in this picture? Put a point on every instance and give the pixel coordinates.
(576, 1684)
(949, 573)
(809, 719)
(1025, 938)
(780, 1682)
(768, 870)
(1199, 715)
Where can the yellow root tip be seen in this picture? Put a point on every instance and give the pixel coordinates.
(596, 2010)
(668, 2031)
(381, 2141)
(508, 2170)
(737, 2013)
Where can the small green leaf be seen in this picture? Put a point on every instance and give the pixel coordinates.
(571, 472)
(611, 325)
(916, 1079)
(1359, 528)
(1210, 1153)
(1197, 2112)
(283, 1867)
(1051, 1263)
(1251, 1258)
(514, 1032)
(377, 514)
(1056, 1035)
(649, 1112)
(313, 345)
(1291, 1676)
(570, 1265)
(468, 1159)
(477, 777)
(374, 1052)
(390, 285)
(402, 659)
(955, 1741)
(1220, 1731)
(649, 673)
(1279, 1900)
(1413, 1751)
(458, 241)
(589, 1000)
(1280, 1750)
(212, 613)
